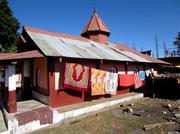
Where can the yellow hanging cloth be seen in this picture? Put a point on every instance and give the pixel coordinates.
(98, 79)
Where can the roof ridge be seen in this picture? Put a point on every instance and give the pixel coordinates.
(98, 22)
(59, 34)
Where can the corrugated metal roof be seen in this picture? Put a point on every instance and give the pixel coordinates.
(153, 60)
(23, 55)
(36, 30)
(133, 56)
(64, 47)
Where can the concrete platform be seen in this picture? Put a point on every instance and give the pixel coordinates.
(34, 115)
(28, 105)
(84, 109)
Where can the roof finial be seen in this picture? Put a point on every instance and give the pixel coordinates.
(95, 13)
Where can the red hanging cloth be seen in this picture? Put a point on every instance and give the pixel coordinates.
(126, 80)
(137, 81)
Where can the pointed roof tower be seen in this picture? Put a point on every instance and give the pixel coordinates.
(96, 29)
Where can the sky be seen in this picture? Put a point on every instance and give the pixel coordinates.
(131, 22)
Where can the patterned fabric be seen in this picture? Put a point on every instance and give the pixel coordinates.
(137, 81)
(76, 77)
(111, 83)
(98, 79)
(126, 80)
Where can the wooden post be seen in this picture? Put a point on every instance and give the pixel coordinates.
(154, 88)
(11, 84)
(83, 95)
(126, 67)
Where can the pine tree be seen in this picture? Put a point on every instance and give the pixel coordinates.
(8, 28)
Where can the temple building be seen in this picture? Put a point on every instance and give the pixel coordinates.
(38, 70)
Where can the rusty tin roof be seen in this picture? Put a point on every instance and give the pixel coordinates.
(62, 45)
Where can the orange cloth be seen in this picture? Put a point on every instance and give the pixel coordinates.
(98, 79)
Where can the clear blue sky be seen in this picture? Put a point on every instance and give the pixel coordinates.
(129, 21)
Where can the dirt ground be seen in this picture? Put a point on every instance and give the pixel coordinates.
(125, 119)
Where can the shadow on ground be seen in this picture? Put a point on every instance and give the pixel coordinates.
(163, 88)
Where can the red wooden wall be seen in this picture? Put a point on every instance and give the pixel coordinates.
(62, 96)
(41, 64)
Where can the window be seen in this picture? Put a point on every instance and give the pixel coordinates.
(136, 70)
(113, 70)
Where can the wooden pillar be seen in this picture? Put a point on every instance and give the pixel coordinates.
(126, 67)
(83, 95)
(51, 82)
(10, 85)
(6, 87)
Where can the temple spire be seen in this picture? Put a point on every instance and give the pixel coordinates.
(96, 29)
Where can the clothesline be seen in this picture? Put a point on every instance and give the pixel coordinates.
(99, 82)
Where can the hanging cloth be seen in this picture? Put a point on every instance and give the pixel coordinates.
(137, 81)
(126, 80)
(111, 83)
(98, 78)
(147, 73)
(143, 77)
(76, 76)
